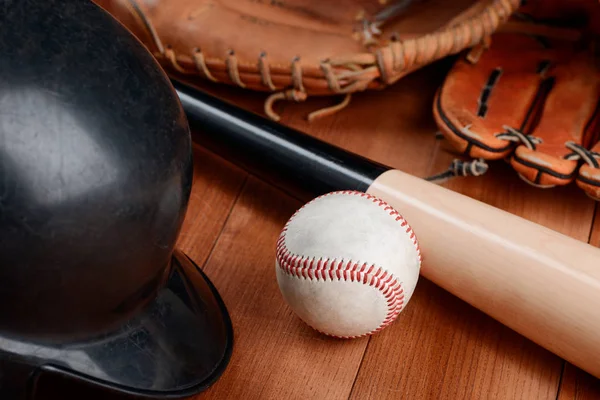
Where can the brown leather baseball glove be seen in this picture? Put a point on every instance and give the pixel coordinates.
(530, 95)
(300, 48)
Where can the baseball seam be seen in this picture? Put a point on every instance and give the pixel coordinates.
(322, 269)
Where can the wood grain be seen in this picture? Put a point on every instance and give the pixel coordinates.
(595, 234)
(395, 127)
(440, 347)
(578, 385)
(275, 355)
(215, 188)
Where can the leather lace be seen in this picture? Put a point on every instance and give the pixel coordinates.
(581, 153)
(354, 72)
(515, 135)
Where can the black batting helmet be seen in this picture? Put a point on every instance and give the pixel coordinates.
(95, 177)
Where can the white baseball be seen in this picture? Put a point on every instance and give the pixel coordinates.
(347, 264)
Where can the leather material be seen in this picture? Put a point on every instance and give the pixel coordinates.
(531, 98)
(301, 48)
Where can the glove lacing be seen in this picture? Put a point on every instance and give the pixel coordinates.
(386, 64)
(581, 153)
(515, 135)
(478, 167)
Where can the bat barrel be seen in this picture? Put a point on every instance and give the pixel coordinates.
(274, 151)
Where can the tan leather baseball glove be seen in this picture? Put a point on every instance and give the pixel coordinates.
(530, 95)
(300, 48)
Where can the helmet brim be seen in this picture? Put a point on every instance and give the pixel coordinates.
(178, 346)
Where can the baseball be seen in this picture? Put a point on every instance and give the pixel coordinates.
(347, 264)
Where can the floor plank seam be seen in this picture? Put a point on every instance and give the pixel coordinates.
(225, 222)
(560, 379)
(593, 223)
(362, 360)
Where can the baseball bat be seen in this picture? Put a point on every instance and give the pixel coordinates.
(538, 282)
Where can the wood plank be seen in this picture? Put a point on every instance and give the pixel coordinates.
(454, 351)
(217, 184)
(595, 234)
(578, 385)
(276, 356)
(475, 355)
(447, 347)
(441, 347)
(465, 354)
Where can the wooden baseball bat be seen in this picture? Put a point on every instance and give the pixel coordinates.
(538, 282)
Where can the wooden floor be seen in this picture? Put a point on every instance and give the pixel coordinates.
(439, 347)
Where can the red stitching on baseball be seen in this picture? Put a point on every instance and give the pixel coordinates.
(382, 280)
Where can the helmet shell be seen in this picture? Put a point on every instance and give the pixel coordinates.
(95, 172)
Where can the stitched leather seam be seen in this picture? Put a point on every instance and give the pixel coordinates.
(403, 54)
(359, 71)
(304, 267)
(588, 181)
(543, 169)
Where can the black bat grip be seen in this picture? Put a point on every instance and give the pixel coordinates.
(269, 149)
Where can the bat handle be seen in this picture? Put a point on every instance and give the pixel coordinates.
(274, 151)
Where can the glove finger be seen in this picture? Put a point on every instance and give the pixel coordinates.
(588, 178)
(478, 100)
(570, 104)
